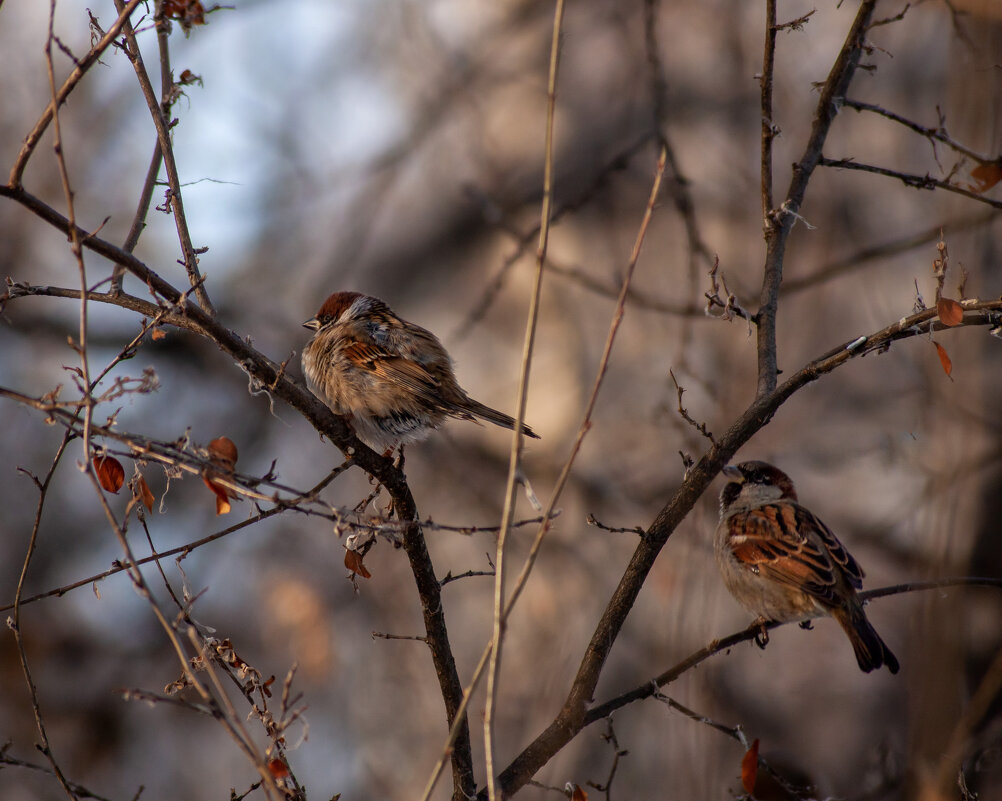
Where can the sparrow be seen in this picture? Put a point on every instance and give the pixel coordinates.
(390, 378)
(782, 563)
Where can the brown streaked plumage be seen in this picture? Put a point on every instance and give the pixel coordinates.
(392, 379)
(782, 563)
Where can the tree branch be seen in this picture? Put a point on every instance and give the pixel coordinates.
(908, 179)
(779, 222)
(573, 715)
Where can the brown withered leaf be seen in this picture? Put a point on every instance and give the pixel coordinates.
(749, 767)
(187, 12)
(353, 561)
(278, 769)
(110, 473)
(986, 176)
(950, 312)
(223, 495)
(944, 359)
(157, 333)
(145, 494)
(223, 452)
(579, 794)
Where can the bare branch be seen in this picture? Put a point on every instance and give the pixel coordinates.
(515, 460)
(779, 222)
(160, 115)
(32, 139)
(914, 181)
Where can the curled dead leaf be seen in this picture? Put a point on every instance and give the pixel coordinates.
(353, 561)
(145, 494)
(749, 767)
(110, 473)
(157, 333)
(950, 312)
(944, 359)
(578, 794)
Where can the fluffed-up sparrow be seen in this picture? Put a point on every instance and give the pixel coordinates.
(782, 563)
(392, 379)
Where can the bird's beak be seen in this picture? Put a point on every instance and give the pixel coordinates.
(733, 473)
(313, 324)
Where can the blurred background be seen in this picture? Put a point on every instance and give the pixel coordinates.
(396, 148)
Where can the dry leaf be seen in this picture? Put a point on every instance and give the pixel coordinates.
(353, 561)
(222, 504)
(145, 495)
(187, 12)
(749, 767)
(223, 452)
(986, 175)
(278, 769)
(110, 473)
(157, 333)
(579, 794)
(950, 312)
(944, 359)
(223, 494)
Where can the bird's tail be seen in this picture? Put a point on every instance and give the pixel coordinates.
(472, 408)
(871, 651)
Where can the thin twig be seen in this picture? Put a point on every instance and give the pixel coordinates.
(593, 521)
(651, 686)
(937, 134)
(735, 733)
(910, 179)
(15, 621)
(34, 137)
(583, 429)
(78, 790)
(769, 129)
(684, 413)
(159, 114)
(515, 461)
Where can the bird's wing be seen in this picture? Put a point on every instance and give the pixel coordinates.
(788, 544)
(395, 369)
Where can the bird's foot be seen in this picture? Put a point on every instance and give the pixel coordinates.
(806, 625)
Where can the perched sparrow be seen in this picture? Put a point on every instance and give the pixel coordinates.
(782, 563)
(392, 379)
